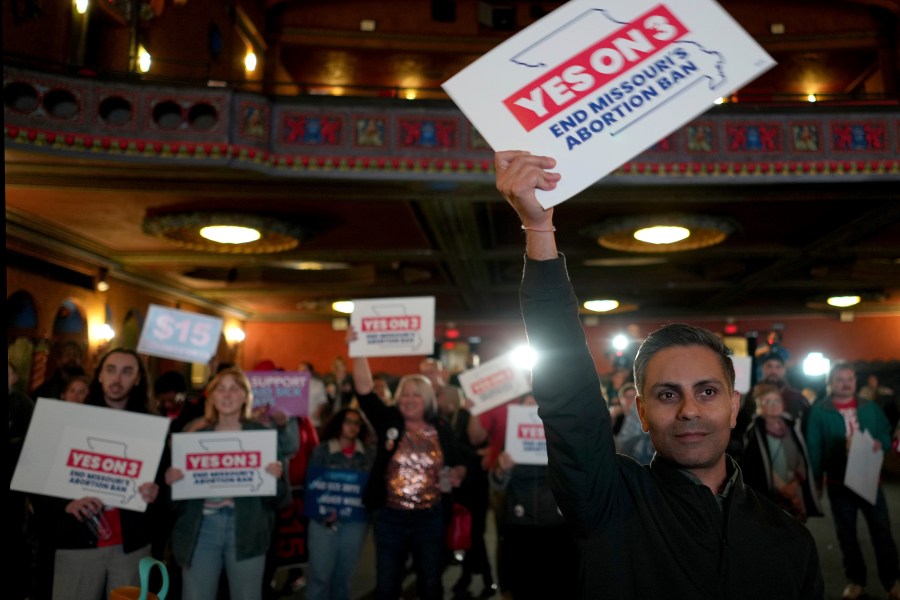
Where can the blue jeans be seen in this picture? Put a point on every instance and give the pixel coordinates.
(399, 532)
(844, 506)
(333, 555)
(215, 549)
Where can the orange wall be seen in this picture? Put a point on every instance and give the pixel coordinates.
(48, 295)
(286, 344)
(867, 338)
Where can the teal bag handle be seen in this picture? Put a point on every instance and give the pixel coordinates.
(144, 567)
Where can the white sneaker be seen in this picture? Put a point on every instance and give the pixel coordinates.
(853, 591)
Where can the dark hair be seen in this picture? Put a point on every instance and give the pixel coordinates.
(771, 356)
(170, 381)
(335, 425)
(681, 334)
(138, 398)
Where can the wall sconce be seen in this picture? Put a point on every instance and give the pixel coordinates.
(102, 333)
(250, 61)
(234, 335)
(144, 59)
(81, 6)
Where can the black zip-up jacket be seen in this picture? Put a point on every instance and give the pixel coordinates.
(647, 531)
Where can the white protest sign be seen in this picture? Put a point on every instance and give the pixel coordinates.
(179, 335)
(224, 464)
(393, 327)
(596, 82)
(287, 391)
(74, 450)
(525, 439)
(863, 471)
(494, 382)
(742, 367)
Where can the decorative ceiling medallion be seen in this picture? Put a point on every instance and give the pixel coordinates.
(618, 233)
(276, 235)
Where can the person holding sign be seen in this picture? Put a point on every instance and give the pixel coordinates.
(684, 526)
(830, 427)
(90, 561)
(533, 537)
(233, 533)
(416, 463)
(335, 541)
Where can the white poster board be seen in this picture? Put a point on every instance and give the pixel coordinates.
(224, 464)
(494, 382)
(179, 335)
(743, 365)
(74, 450)
(525, 439)
(863, 471)
(596, 82)
(393, 327)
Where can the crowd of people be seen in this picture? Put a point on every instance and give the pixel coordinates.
(646, 492)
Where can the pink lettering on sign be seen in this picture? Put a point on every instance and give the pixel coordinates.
(529, 431)
(400, 323)
(104, 463)
(211, 461)
(491, 381)
(594, 67)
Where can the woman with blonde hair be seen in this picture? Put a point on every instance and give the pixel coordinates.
(231, 533)
(416, 463)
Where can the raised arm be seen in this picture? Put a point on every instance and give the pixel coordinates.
(582, 463)
(362, 374)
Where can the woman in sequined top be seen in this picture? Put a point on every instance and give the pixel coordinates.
(416, 464)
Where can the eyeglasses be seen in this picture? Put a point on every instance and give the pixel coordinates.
(352, 422)
(770, 401)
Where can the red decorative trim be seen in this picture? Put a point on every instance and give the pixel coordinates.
(151, 149)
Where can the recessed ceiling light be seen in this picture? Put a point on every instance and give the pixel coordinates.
(662, 234)
(843, 301)
(230, 234)
(343, 306)
(601, 305)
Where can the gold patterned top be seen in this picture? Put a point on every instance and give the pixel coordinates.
(413, 474)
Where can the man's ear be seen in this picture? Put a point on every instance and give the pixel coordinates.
(640, 408)
(735, 407)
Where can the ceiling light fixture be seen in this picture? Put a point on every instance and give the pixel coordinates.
(102, 283)
(601, 305)
(661, 233)
(843, 301)
(343, 306)
(230, 233)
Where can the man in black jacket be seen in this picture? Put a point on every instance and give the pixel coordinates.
(685, 526)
